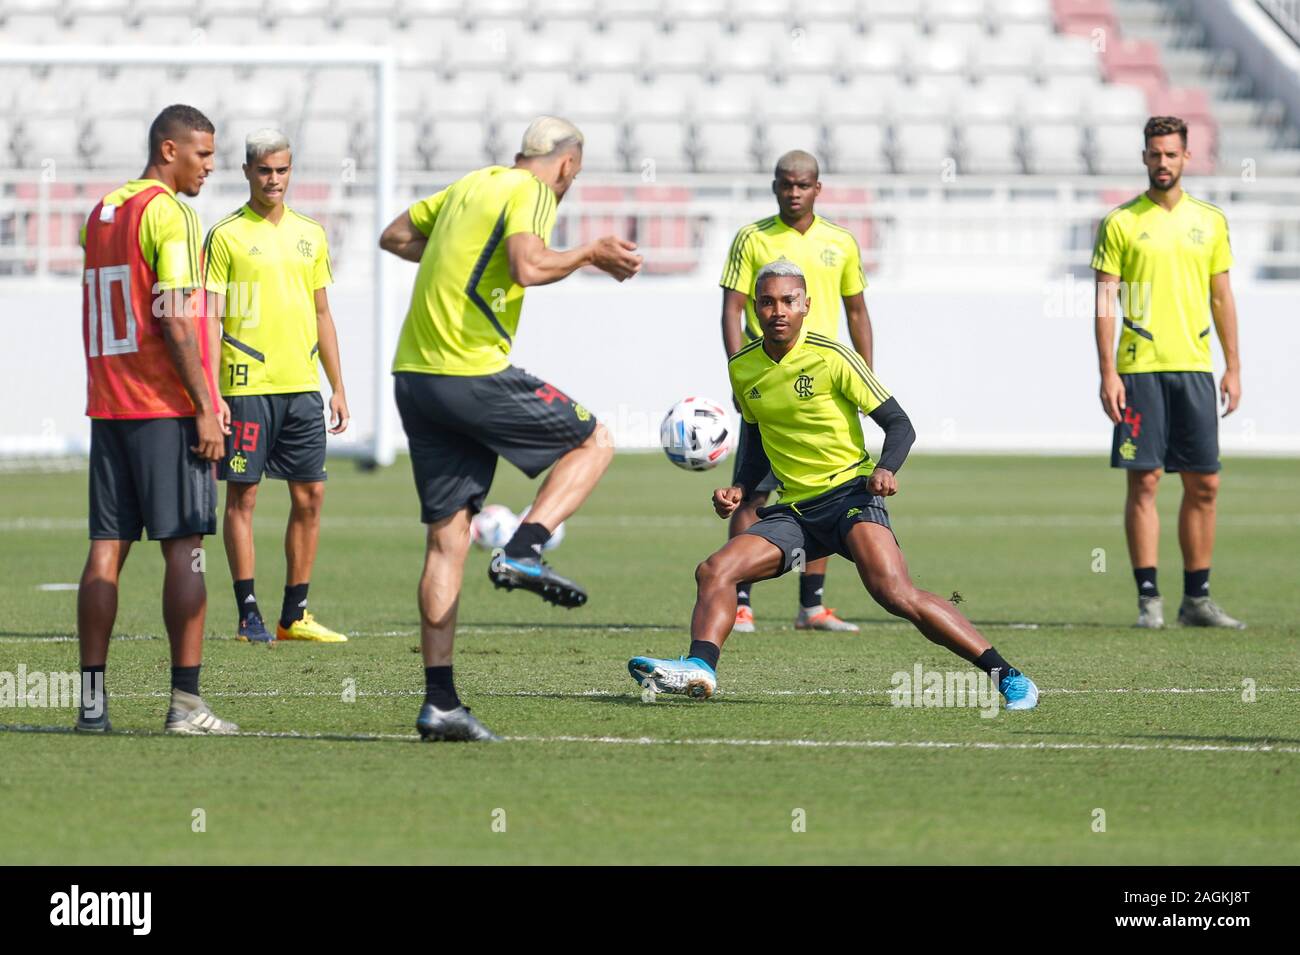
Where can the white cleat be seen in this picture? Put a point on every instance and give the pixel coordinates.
(1204, 612)
(1151, 613)
(188, 715)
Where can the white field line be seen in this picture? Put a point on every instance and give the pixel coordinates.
(941, 521)
(768, 743)
(611, 694)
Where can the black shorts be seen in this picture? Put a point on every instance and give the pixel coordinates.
(143, 475)
(457, 425)
(282, 436)
(765, 486)
(1171, 421)
(821, 524)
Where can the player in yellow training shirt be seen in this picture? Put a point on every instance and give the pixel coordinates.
(832, 265)
(480, 242)
(1163, 259)
(266, 271)
(800, 393)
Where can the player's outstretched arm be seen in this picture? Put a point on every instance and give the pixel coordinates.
(899, 438)
(403, 239)
(1223, 306)
(532, 263)
(1113, 399)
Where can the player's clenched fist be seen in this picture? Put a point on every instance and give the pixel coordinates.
(882, 483)
(212, 445)
(727, 499)
(616, 256)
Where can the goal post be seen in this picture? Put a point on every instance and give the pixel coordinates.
(381, 447)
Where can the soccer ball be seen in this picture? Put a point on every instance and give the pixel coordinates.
(557, 538)
(493, 526)
(697, 434)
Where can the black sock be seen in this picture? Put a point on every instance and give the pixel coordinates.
(439, 688)
(186, 679)
(94, 695)
(991, 660)
(708, 652)
(810, 590)
(295, 604)
(1146, 581)
(1196, 583)
(244, 598)
(742, 595)
(528, 541)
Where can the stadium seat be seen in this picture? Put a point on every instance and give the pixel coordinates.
(1004, 13)
(922, 147)
(599, 98)
(461, 144)
(604, 54)
(1066, 55)
(938, 58)
(990, 148)
(1055, 148)
(776, 138)
(1115, 148)
(744, 57)
(854, 147)
(531, 95)
(1130, 61)
(930, 98)
(1191, 103)
(685, 49)
(940, 12)
(722, 145)
(864, 99)
(798, 97)
(814, 51)
(604, 146)
(1002, 58)
(732, 98)
(872, 55)
(668, 98)
(1112, 103)
(987, 102)
(664, 143)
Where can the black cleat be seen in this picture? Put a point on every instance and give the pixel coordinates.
(534, 574)
(458, 725)
(93, 724)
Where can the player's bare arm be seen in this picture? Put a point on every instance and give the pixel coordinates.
(1112, 389)
(186, 355)
(216, 312)
(733, 320)
(532, 263)
(403, 239)
(1224, 309)
(855, 311)
(328, 338)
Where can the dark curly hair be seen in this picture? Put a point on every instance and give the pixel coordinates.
(1164, 126)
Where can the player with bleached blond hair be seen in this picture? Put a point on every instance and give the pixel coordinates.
(480, 243)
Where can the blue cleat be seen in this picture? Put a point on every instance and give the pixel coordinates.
(689, 676)
(535, 575)
(253, 630)
(1021, 692)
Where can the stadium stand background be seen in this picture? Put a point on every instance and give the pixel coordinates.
(970, 145)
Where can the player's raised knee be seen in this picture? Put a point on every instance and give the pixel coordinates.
(898, 597)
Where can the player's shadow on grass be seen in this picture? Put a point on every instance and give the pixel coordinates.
(532, 624)
(1185, 737)
(37, 634)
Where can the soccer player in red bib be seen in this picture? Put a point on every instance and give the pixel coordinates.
(156, 427)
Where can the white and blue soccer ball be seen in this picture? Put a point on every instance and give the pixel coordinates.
(697, 434)
(557, 536)
(493, 526)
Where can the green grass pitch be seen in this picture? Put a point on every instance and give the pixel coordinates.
(1149, 728)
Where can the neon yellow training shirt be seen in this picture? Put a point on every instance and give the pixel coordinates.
(827, 255)
(1164, 260)
(806, 408)
(269, 274)
(169, 235)
(465, 307)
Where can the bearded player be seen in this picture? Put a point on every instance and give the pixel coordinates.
(800, 394)
(155, 428)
